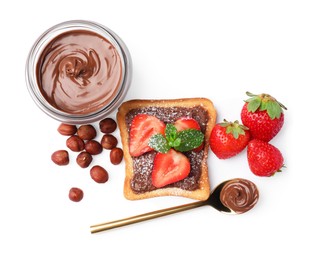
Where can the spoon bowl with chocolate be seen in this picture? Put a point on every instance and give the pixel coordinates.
(235, 196)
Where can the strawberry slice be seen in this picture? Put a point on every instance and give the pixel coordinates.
(169, 167)
(184, 123)
(142, 128)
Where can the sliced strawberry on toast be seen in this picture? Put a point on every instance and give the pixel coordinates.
(169, 167)
(184, 123)
(143, 127)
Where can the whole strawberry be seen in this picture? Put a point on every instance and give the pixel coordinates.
(227, 139)
(264, 159)
(263, 115)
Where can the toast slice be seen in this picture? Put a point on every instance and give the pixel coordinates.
(138, 183)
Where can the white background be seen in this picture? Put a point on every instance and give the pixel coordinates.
(213, 49)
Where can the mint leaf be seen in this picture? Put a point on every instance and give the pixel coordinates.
(182, 141)
(177, 142)
(170, 133)
(190, 139)
(159, 143)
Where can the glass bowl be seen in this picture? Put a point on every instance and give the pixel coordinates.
(37, 54)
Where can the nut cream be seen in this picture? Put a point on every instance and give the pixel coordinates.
(239, 195)
(79, 72)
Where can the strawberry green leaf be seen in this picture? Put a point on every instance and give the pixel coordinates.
(234, 128)
(263, 106)
(190, 139)
(250, 94)
(273, 109)
(265, 102)
(254, 104)
(235, 131)
(159, 143)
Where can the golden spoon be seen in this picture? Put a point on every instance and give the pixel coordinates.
(234, 196)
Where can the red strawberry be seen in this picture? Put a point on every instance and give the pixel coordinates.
(264, 159)
(263, 115)
(227, 139)
(142, 128)
(184, 123)
(169, 167)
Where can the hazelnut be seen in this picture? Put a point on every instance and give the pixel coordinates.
(75, 194)
(116, 155)
(84, 159)
(93, 147)
(107, 125)
(60, 157)
(108, 141)
(99, 174)
(66, 129)
(75, 143)
(86, 132)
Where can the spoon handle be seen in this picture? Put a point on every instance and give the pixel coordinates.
(146, 216)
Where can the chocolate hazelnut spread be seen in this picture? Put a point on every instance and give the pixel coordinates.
(239, 195)
(142, 165)
(79, 72)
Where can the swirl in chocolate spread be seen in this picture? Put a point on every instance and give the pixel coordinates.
(79, 72)
(239, 195)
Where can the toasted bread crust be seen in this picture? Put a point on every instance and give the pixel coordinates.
(203, 191)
